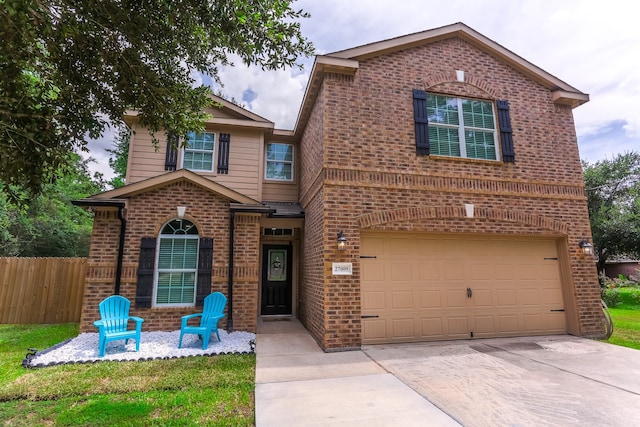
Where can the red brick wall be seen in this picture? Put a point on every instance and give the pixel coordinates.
(372, 178)
(146, 214)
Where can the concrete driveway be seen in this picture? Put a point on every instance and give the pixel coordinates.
(535, 381)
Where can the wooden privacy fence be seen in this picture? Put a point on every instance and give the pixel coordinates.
(41, 290)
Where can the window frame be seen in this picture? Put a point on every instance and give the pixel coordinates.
(462, 129)
(158, 270)
(291, 162)
(198, 150)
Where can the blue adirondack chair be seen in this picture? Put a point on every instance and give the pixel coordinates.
(212, 312)
(114, 321)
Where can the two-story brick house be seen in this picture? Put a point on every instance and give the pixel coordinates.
(444, 165)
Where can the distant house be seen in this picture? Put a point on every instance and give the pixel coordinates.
(626, 267)
(430, 190)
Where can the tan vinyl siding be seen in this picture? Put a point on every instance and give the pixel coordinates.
(144, 160)
(280, 192)
(244, 160)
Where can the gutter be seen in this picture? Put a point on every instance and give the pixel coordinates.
(112, 203)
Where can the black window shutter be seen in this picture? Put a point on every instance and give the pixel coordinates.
(146, 264)
(421, 122)
(504, 120)
(205, 261)
(171, 161)
(223, 153)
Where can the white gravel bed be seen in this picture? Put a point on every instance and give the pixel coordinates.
(153, 345)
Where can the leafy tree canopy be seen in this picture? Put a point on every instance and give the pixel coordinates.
(70, 67)
(48, 224)
(613, 192)
(119, 157)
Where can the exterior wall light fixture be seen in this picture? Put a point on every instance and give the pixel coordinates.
(587, 248)
(181, 211)
(342, 241)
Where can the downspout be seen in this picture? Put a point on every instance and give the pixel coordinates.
(123, 229)
(230, 288)
(113, 203)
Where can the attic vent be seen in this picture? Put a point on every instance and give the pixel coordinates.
(277, 231)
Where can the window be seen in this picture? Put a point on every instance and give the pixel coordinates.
(279, 162)
(177, 264)
(277, 231)
(199, 155)
(461, 127)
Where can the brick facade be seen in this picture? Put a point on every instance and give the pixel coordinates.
(372, 178)
(145, 216)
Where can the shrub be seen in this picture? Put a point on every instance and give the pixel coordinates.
(611, 296)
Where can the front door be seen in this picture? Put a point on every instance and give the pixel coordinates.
(276, 279)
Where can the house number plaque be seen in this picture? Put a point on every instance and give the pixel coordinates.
(342, 268)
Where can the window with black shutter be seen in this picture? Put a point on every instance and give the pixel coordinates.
(462, 127)
(175, 269)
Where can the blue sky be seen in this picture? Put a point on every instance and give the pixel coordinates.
(592, 45)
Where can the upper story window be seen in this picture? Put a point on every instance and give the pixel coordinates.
(177, 264)
(279, 162)
(462, 127)
(199, 155)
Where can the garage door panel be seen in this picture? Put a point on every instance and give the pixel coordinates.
(403, 328)
(483, 297)
(530, 297)
(509, 323)
(431, 299)
(401, 272)
(552, 296)
(451, 271)
(554, 322)
(402, 300)
(374, 330)
(417, 285)
(507, 297)
(503, 272)
(481, 272)
(372, 272)
(428, 272)
(484, 325)
(456, 298)
(373, 300)
(432, 327)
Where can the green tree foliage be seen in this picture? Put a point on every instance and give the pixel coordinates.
(613, 192)
(71, 67)
(48, 224)
(119, 156)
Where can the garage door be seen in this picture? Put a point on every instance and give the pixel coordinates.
(426, 287)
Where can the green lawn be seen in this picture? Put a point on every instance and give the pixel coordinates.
(212, 391)
(626, 320)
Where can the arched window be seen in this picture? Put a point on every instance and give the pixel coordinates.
(177, 264)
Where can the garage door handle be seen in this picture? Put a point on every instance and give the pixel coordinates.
(369, 317)
(469, 293)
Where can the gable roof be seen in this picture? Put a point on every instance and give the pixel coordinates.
(233, 115)
(158, 181)
(347, 62)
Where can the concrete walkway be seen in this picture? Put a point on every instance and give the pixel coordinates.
(534, 381)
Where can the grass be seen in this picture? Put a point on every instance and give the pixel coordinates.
(212, 391)
(626, 320)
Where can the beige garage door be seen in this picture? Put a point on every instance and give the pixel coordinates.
(425, 287)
